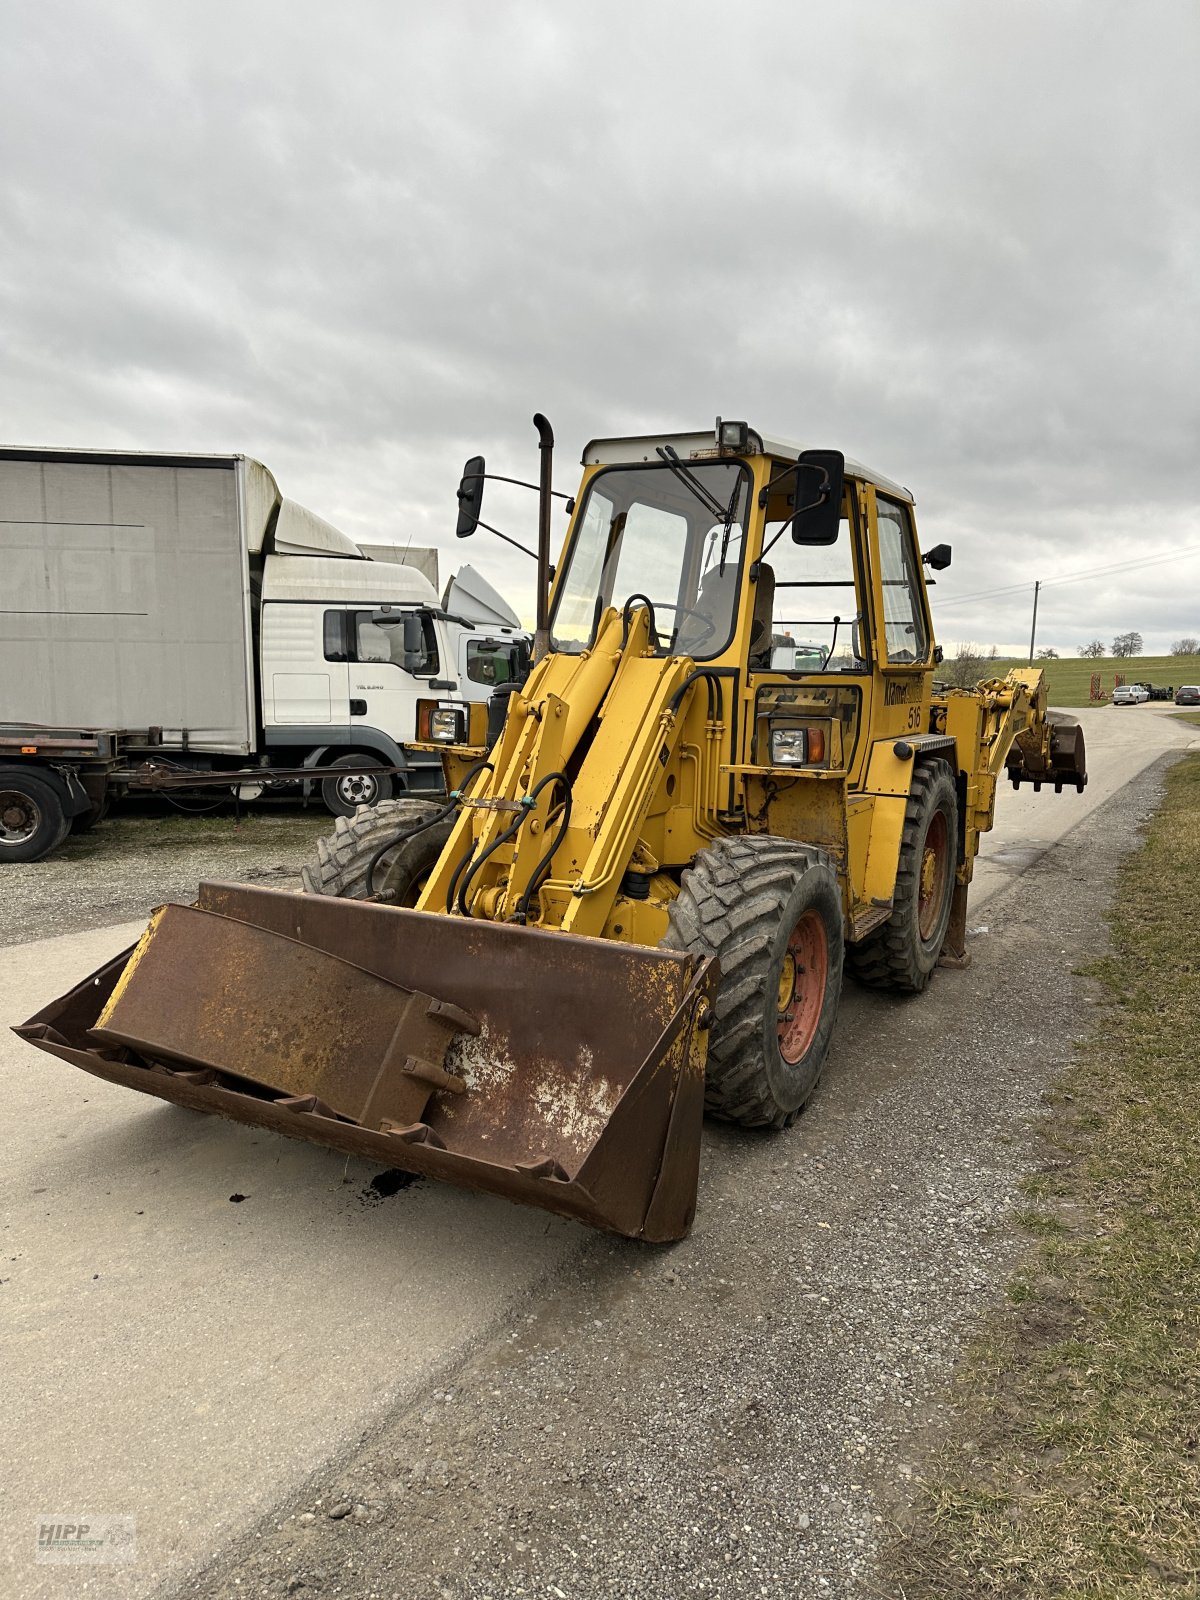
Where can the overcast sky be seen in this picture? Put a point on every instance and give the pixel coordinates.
(362, 241)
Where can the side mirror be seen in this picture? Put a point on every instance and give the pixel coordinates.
(414, 642)
(818, 516)
(938, 558)
(470, 497)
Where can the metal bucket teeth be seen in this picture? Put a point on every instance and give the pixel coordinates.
(562, 1072)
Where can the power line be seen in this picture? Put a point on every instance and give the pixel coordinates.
(1110, 569)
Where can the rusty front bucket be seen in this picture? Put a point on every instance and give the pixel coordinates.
(562, 1072)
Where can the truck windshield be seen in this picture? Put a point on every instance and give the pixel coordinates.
(648, 530)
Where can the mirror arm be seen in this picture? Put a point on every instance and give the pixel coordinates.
(487, 527)
(496, 477)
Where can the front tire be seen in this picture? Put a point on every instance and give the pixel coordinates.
(343, 794)
(771, 912)
(32, 819)
(902, 954)
(344, 855)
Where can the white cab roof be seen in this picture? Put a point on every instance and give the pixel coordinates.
(335, 581)
(703, 447)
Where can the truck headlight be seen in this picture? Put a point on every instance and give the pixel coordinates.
(446, 727)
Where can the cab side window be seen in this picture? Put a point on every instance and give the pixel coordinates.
(494, 661)
(904, 616)
(811, 595)
(352, 636)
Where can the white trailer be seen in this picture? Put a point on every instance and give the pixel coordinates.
(181, 606)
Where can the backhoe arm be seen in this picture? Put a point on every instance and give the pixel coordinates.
(1005, 724)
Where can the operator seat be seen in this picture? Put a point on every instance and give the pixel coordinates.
(761, 628)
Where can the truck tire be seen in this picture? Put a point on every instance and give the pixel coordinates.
(32, 819)
(344, 855)
(902, 954)
(770, 910)
(87, 820)
(342, 796)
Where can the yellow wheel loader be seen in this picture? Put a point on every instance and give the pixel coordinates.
(730, 775)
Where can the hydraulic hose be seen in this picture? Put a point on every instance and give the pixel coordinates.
(716, 692)
(542, 871)
(430, 822)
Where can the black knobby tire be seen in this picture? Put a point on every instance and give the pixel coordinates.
(33, 821)
(745, 901)
(342, 794)
(903, 952)
(344, 855)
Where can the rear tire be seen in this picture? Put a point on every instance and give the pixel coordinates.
(85, 821)
(771, 912)
(344, 855)
(902, 953)
(343, 795)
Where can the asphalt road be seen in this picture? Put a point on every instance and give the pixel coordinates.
(191, 1362)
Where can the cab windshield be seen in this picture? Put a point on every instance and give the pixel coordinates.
(672, 533)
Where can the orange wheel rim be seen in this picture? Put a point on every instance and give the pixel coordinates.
(802, 984)
(935, 869)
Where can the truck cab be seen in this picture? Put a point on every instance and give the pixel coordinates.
(361, 659)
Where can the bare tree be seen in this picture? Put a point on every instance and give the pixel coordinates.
(968, 667)
(1092, 651)
(1186, 647)
(1127, 644)
(1048, 654)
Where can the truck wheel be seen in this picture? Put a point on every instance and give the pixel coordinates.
(87, 820)
(343, 795)
(344, 855)
(771, 911)
(32, 820)
(904, 951)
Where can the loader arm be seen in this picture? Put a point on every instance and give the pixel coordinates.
(548, 838)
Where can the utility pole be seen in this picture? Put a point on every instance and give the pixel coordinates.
(1033, 629)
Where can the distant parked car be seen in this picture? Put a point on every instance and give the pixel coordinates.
(1188, 695)
(1130, 694)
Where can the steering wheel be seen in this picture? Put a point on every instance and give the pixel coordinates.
(710, 626)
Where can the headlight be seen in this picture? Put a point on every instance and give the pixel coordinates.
(797, 747)
(446, 727)
(789, 747)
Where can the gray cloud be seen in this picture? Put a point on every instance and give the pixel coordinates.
(362, 242)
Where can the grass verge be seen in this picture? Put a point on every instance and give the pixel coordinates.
(1074, 1469)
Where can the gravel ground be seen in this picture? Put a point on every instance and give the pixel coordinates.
(145, 854)
(741, 1414)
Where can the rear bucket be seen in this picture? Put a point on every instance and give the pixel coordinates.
(561, 1072)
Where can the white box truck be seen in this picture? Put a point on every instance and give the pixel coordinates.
(178, 612)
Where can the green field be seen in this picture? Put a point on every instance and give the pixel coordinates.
(1069, 679)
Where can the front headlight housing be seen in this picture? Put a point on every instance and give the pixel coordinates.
(797, 747)
(446, 727)
(789, 747)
